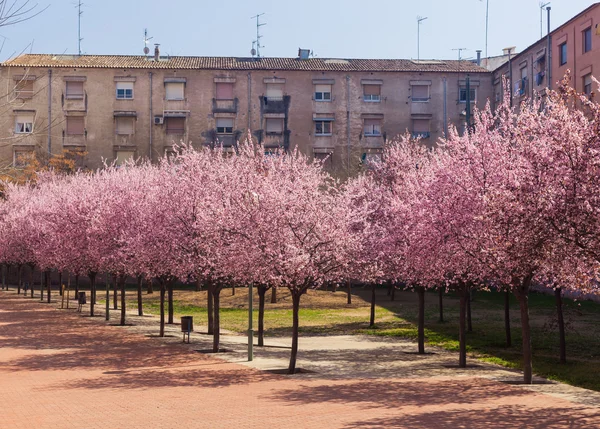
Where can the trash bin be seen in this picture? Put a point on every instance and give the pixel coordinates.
(187, 326)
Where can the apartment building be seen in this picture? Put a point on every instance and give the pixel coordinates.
(118, 107)
(573, 46)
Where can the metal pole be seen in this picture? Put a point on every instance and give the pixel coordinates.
(549, 60)
(487, 20)
(250, 330)
(510, 80)
(151, 120)
(49, 114)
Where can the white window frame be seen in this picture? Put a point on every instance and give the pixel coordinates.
(323, 96)
(224, 130)
(24, 127)
(464, 88)
(125, 95)
(374, 131)
(326, 128)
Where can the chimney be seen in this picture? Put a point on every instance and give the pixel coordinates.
(156, 52)
(479, 57)
(509, 51)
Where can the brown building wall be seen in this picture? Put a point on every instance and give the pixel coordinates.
(100, 105)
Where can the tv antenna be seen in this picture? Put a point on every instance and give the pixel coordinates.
(146, 40)
(258, 36)
(460, 51)
(542, 6)
(79, 13)
(419, 20)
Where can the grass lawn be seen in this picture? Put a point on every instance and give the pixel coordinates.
(326, 313)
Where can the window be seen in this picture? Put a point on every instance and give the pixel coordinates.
(274, 125)
(421, 128)
(325, 158)
(175, 125)
(587, 40)
(24, 89)
(124, 90)
(523, 83)
(123, 156)
(322, 128)
(587, 84)
(462, 96)
(224, 125)
(75, 125)
(174, 90)
(372, 127)
(420, 93)
(372, 93)
(322, 92)
(224, 91)
(562, 54)
(124, 125)
(74, 90)
(22, 158)
(24, 123)
(274, 91)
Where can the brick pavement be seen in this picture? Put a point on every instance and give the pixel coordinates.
(59, 369)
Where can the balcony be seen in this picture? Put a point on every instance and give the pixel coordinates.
(421, 134)
(225, 106)
(275, 105)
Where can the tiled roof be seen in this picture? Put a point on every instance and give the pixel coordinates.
(234, 63)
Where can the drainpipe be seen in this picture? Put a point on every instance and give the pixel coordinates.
(445, 110)
(510, 79)
(249, 101)
(49, 114)
(151, 120)
(549, 61)
(348, 121)
(468, 103)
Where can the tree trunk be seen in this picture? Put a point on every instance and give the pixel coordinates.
(421, 327)
(389, 289)
(3, 276)
(162, 307)
(349, 292)
(217, 319)
(140, 280)
(262, 291)
(122, 279)
(48, 285)
(42, 283)
(441, 304)
(92, 277)
(232, 289)
(561, 325)
(522, 292)
(295, 327)
(149, 290)
(170, 298)
(372, 319)
(507, 318)
(19, 278)
(462, 337)
(76, 286)
(115, 292)
(273, 295)
(198, 284)
(209, 307)
(31, 272)
(60, 291)
(393, 297)
(469, 320)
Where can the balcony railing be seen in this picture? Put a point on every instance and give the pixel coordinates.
(275, 105)
(421, 134)
(225, 106)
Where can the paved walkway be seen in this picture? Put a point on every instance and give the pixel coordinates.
(59, 369)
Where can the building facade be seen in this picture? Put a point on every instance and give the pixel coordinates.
(117, 107)
(573, 46)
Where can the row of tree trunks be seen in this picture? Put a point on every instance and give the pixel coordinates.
(140, 281)
(349, 292)
(115, 291)
(441, 304)
(170, 302)
(373, 297)
(262, 291)
(122, 279)
(421, 320)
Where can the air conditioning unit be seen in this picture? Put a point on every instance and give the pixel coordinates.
(159, 120)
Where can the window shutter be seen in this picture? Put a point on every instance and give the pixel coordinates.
(421, 125)
(224, 91)
(420, 92)
(274, 125)
(123, 156)
(124, 125)
(224, 122)
(322, 88)
(175, 90)
(274, 90)
(75, 125)
(74, 89)
(175, 125)
(372, 89)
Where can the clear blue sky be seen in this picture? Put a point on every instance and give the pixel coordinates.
(331, 28)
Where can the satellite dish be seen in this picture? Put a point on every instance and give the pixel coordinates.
(146, 50)
(253, 52)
